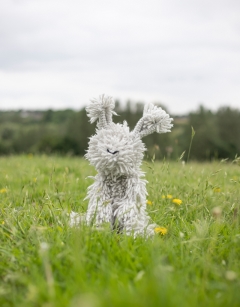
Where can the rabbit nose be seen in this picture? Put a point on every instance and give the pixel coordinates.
(112, 152)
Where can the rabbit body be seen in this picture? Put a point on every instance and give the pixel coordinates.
(118, 194)
(121, 201)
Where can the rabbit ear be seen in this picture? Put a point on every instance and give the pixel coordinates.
(154, 119)
(101, 110)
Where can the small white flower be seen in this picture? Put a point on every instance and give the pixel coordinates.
(231, 275)
(44, 246)
(181, 234)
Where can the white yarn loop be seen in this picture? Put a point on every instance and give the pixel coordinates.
(154, 119)
(101, 110)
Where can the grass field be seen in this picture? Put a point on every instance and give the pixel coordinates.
(193, 261)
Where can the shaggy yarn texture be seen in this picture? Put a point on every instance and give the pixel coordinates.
(118, 194)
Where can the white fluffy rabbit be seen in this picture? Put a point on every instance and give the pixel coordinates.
(118, 194)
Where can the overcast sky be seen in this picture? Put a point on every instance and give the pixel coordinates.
(59, 54)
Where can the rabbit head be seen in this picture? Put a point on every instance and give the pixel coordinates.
(114, 149)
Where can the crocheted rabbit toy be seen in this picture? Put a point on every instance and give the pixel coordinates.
(118, 194)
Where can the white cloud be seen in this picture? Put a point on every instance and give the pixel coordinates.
(62, 53)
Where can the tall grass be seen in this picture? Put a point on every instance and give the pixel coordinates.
(44, 262)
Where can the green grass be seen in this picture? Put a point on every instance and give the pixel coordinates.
(44, 262)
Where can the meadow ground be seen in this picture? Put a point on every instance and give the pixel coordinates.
(194, 260)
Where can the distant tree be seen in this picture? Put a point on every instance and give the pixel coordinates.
(206, 141)
(56, 144)
(79, 130)
(67, 131)
(228, 121)
(217, 134)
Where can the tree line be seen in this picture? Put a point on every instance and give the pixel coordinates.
(217, 134)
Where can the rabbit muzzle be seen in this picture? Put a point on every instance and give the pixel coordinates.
(112, 152)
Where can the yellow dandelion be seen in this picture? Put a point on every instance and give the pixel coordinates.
(163, 196)
(161, 230)
(3, 222)
(149, 202)
(177, 201)
(169, 196)
(2, 191)
(216, 190)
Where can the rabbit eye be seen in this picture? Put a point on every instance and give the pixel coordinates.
(112, 152)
